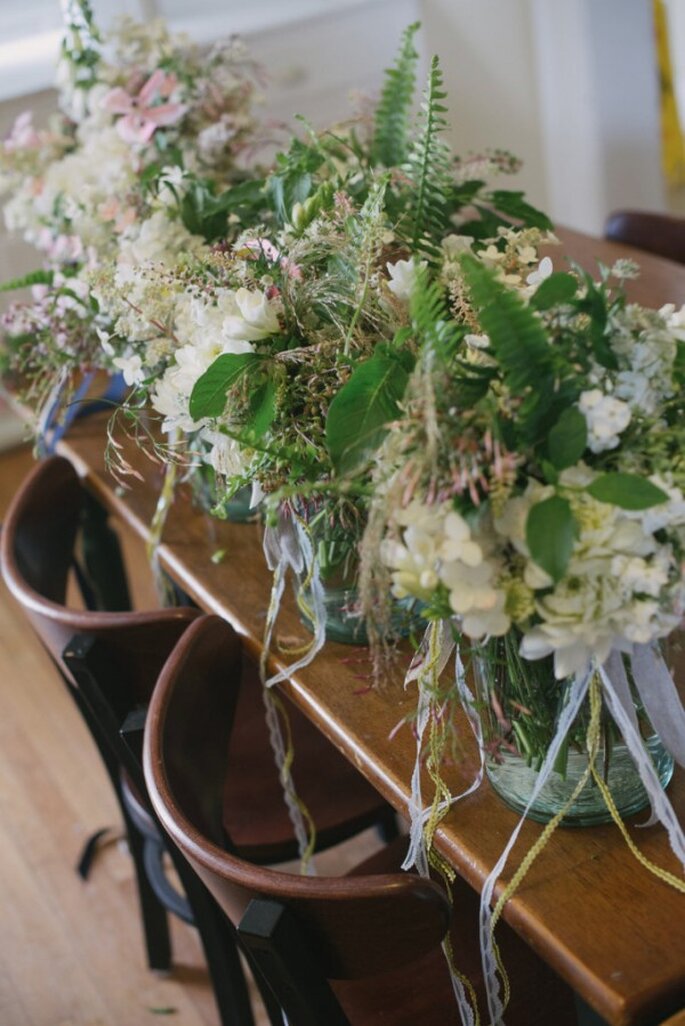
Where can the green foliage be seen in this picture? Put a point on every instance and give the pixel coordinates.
(39, 277)
(567, 439)
(558, 288)
(205, 214)
(550, 530)
(435, 331)
(629, 491)
(208, 398)
(390, 140)
(262, 409)
(357, 417)
(595, 305)
(428, 169)
(516, 334)
(679, 365)
(513, 205)
(291, 182)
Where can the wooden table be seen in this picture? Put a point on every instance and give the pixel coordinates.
(604, 923)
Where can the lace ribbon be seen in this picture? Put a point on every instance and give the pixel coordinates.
(436, 648)
(660, 699)
(287, 546)
(489, 954)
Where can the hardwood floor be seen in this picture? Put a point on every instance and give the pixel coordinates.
(71, 953)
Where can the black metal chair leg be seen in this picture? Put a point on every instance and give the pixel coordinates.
(153, 914)
(221, 950)
(386, 827)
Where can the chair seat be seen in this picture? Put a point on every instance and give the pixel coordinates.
(424, 994)
(256, 819)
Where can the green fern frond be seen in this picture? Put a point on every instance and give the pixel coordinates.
(390, 140)
(366, 237)
(516, 334)
(435, 331)
(40, 277)
(428, 169)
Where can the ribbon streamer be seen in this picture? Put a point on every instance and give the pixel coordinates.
(662, 808)
(287, 546)
(660, 698)
(574, 701)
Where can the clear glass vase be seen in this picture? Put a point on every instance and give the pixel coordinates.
(519, 704)
(209, 496)
(335, 541)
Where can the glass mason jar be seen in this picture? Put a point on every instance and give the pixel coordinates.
(519, 702)
(208, 495)
(335, 541)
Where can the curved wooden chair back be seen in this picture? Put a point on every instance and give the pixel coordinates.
(675, 1020)
(36, 555)
(661, 234)
(350, 927)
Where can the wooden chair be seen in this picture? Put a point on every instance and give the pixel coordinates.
(661, 234)
(110, 662)
(675, 1020)
(361, 949)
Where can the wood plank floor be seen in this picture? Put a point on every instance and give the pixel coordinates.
(71, 953)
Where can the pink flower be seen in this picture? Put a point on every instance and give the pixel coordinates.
(23, 135)
(267, 249)
(112, 210)
(141, 115)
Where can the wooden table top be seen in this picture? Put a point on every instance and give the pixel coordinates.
(605, 924)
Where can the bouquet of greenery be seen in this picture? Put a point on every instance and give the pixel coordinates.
(285, 349)
(141, 111)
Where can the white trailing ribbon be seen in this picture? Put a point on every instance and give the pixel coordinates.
(574, 701)
(660, 698)
(287, 547)
(617, 704)
(426, 668)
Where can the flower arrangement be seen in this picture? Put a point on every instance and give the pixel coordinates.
(141, 109)
(283, 351)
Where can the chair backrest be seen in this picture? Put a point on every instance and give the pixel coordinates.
(675, 1020)
(351, 927)
(36, 554)
(661, 234)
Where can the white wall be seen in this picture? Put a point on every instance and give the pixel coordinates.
(569, 85)
(486, 51)
(599, 107)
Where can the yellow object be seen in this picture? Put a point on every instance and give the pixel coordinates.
(672, 143)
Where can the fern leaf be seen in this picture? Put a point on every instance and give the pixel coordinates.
(434, 329)
(40, 277)
(390, 141)
(516, 334)
(428, 168)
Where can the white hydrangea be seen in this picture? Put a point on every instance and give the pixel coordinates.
(606, 418)
(438, 546)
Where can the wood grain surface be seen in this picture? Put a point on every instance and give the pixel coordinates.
(605, 924)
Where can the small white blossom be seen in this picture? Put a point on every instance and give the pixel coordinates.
(403, 276)
(606, 418)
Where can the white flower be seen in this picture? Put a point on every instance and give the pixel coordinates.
(494, 621)
(455, 245)
(458, 544)
(543, 271)
(131, 367)
(403, 276)
(606, 418)
(255, 317)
